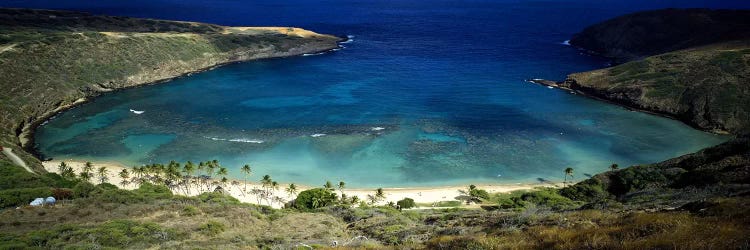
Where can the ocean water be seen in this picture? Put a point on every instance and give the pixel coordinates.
(425, 93)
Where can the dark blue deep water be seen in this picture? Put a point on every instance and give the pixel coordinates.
(427, 93)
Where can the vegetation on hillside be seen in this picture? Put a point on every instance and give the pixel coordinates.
(50, 59)
(705, 87)
(639, 207)
(691, 64)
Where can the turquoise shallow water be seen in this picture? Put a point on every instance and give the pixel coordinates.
(425, 94)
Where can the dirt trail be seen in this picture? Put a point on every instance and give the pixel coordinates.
(16, 160)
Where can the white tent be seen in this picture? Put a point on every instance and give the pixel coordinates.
(37, 202)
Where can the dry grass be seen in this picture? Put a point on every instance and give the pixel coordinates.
(637, 230)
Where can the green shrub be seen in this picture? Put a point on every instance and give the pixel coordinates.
(635, 178)
(106, 186)
(406, 203)
(151, 191)
(117, 233)
(314, 198)
(83, 189)
(479, 193)
(118, 196)
(22, 196)
(12, 176)
(212, 228)
(214, 197)
(189, 211)
(588, 190)
(548, 197)
(697, 178)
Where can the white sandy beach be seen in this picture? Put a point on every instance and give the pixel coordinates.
(420, 195)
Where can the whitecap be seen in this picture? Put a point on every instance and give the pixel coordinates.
(246, 140)
(566, 43)
(137, 112)
(317, 135)
(349, 39)
(550, 87)
(313, 54)
(236, 140)
(377, 128)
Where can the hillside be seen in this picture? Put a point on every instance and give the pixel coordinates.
(648, 33)
(692, 202)
(705, 86)
(50, 60)
(703, 82)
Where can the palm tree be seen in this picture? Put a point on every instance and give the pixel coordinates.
(355, 199)
(266, 181)
(125, 175)
(342, 185)
(224, 181)
(247, 171)
(88, 168)
(210, 168)
(222, 172)
(328, 185)
(379, 195)
(201, 167)
(291, 190)
(188, 169)
(614, 167)
(65, 170)
(103, 174)
(62, 167)
(568, 171)
(274, 188)
(84, 176)
(372, 198)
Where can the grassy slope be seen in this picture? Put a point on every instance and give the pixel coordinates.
(53, 58)
(629, 208)
(704, 86)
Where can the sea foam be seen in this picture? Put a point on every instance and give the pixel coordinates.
(313, 54)
(349, 39)
(236, 140)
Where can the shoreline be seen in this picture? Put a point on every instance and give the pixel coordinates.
(25, 130)
(556, 85)
(430, 194)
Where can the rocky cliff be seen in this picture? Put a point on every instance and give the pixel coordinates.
(50, 60)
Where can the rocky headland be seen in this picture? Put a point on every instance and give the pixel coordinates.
(696, 66)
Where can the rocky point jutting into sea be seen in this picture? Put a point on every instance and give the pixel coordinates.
(696, 70)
